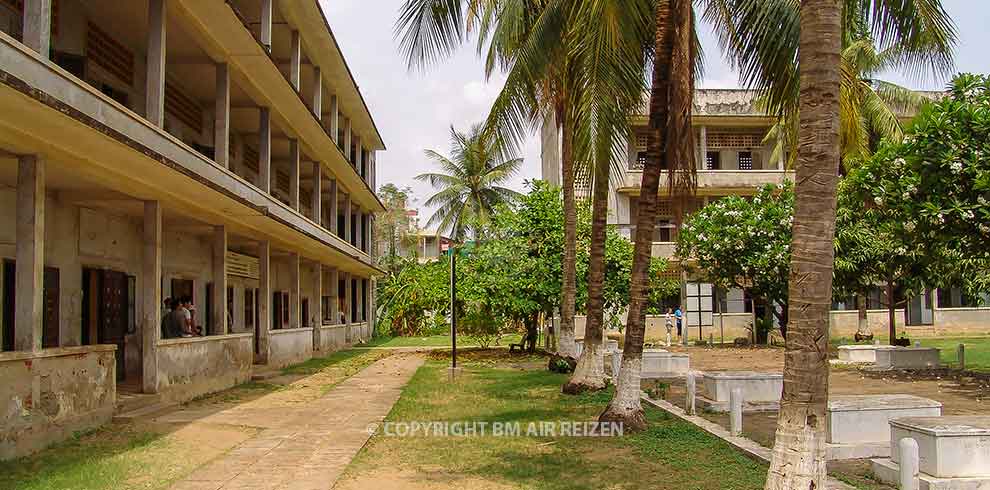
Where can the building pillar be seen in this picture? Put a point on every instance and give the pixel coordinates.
(358, 228)
(30, 254)
(295, 60)
(264, 323)
(347, 141)
(347, 219)
(373, 170)
(219, 320)
(294, 174)
(316, 306)
(151, 296)
(318, 93)
(265, 150)
(294, 289)
(266, 24)
(317, 194)
(38, 26)
(155, 90)
(369, 235)
(334, 294)
(334, 120)
(703, 147)
(348, 307)
(357, 155)
(364, 300)
(332, 197)
(221, 121)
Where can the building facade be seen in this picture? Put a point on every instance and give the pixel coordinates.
(215, 151)
(733, 157)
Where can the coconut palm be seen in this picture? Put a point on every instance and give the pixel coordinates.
(469, 184)
(581, 61)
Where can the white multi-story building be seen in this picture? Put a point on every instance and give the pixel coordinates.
(216, 150)
(733, 158)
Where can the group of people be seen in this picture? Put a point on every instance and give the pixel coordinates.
(669, 319)
(179, 319)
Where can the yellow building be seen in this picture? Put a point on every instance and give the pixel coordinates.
(213, 150)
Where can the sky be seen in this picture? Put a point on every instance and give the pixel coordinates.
(414, 110)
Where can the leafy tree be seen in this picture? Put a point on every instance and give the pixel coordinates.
(745, 243)
(469, 184)
(394, 225)
(940, 175)
(413, 298)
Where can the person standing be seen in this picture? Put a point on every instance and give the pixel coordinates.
(680, 319)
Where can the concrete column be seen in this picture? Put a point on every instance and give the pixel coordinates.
(317, 197)
(318, 93)
(347, 219)
(265, 150)
(689, 384)
(910, 464)
(347, 140)
(219, 299)
(266, 24)
(334, 119)
(155, 90)
(28, 307)
(151, 296)
(735, 411)
(316, 308)
(294, 174)
(373, 170)
(334, 293)
(295, 60)
(348, 306)
(38, 26)
(221, 121)
(332, 197)
(359, 308)
(703, 147)
(264, 298)
(294, 289)
(357, 154)
(358, 229)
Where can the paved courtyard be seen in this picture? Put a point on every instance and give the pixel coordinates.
(301, 445)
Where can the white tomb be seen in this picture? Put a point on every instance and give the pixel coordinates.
(760, 391)
(861, 353)
(908, 358)
(953, 451)
(658, 363)
(858, 426)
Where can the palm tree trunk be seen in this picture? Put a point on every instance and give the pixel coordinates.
(565, 341)
(798, 460)
(670, 99)
(589, 374)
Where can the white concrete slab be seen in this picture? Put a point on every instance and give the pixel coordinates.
(908, 358)
(948, 447)
(861, 353)
(760, 390)
(866, 418)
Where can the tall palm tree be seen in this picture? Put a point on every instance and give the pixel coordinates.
(581, 59)
(469, 184)
(670, 146)
(798, 459)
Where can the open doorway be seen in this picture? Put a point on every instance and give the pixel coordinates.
(107, 315)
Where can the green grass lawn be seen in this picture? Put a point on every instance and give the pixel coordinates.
(434, 341)
(671, 454)
(977, 349)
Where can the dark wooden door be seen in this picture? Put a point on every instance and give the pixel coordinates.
(113, 314)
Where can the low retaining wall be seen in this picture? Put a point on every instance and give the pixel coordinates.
(358, 332)
(50, 394)
(194, 366)
(332, 338)
(289, 346)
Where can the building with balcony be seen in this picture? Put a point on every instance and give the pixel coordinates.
(215, 150)
(734, 157)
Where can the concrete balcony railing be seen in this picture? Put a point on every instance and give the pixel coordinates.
(717, 179)
(664, 250)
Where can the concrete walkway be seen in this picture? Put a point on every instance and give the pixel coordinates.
(307, 446)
